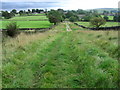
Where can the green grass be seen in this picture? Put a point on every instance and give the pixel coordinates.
(108, 24)
(76, 59)
(75, 27)
(109, 17)
(28, 24)
(41, 14)
(28, 18)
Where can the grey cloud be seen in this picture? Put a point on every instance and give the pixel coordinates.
(25, 5)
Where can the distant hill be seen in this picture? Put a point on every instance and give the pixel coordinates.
(104, 9)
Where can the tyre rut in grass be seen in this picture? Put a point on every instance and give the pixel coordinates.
(24, 64)
(60, 67)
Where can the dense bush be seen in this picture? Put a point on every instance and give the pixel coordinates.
(12, 29)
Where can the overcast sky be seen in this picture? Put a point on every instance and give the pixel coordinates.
(70, 4)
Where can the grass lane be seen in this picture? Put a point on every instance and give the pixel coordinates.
(66, 60)
(60, 67)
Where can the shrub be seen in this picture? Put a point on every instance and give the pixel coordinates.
(97, 21)
(116, 18)
(12, 29)
(106, 18)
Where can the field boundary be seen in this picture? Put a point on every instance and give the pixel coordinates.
(28, 20)
(36, 29)
(101, 28)
(30, 29)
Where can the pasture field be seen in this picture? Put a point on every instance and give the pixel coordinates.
(61, 59)
(41, 14)
(108, 24)
(109, 17)
(27, 18)
(28, 24)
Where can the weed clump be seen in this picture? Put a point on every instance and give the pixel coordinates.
(112, 38)
(99, 36)
(12, 29)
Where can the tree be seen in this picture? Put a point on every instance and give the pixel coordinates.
(41, 10)
(61, 11)
(6, 14)
(69, 14)
(106, 18)
(29, 11)
(86, 18)
(105, 12)
(80, 11)
(73, 19)
(33, 10)
(12, 14)
(21, 12)
(37, 10)
(97, 21)
(14, 11)
(54, 17)
(116, 18)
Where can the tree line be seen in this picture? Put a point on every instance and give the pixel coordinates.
(12, 13)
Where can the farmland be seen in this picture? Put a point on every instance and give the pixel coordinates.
(41, 21)
(109, 17)
(61, 59)
(28, 18)
(29, 24)
(108, 24)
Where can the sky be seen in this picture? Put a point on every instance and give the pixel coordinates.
(55, 4)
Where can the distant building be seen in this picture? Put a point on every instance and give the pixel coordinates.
(81, 15)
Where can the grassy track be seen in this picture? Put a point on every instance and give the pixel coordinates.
(75, 59)
(28, 24)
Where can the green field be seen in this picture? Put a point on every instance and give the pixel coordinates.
(28, 24)
(28, 18)
(109, 17)
(41, 14)
(61, 59)
(108, 24)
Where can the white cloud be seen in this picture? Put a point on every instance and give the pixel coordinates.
(34, 0)
(86, 4)
(75, 4)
